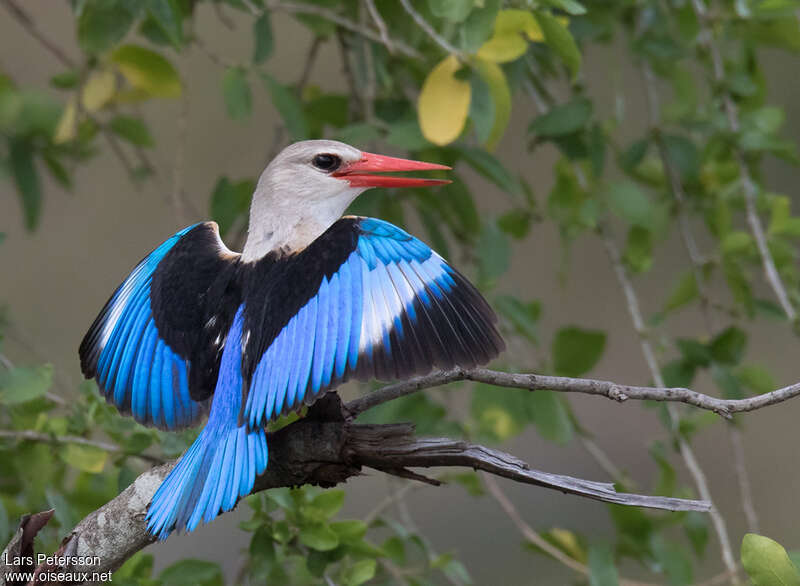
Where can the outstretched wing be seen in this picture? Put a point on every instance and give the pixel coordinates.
(155, 347)
(366, 299)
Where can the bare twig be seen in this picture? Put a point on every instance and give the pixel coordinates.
(527, 531)
(311, 58)
(29, 24)
(30, 435)
(429, 30)
(610, 390)
(676, 188)
(689, 458)
(381, 24)
(745, 490)
(748, 186)
(302, 8)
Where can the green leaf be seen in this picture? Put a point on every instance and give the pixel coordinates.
(452, 10)
(516, 222)
(289, 107)
(262, 36)
(523, 316)
(192, 572)
(694, 352)
(168, 17)
(236, 92)
(696, 527)
(103, 23)
(728, 347)
(230, 201)
(684, 155)
(360, 572)
(767, 563)
(675, 562)
(26, 180)
(551, 416)
(147, 71)
(602, 571)
(481, 108)
(328, 503)
(349, 531)
(684, 291)
(491, 168)
(66, 81)
(319, 536)
(631, 203)
(478, 26)
(563, 119)
(639, 250)
(738, 242)
(495, 79)
(576, 351)
(131, 129)
(494, 252)
(87, 458)
(558, 38)
(22, 384)
(756, 378)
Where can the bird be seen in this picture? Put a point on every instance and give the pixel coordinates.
(314, 298)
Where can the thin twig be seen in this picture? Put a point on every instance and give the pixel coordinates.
(29, 24)
(611, 390)
(689, 458)
(676, 188)
(311, 59)
(429, 30)
(748, 186)
(34, 436)
(534, 537)
(330, 15)
(745, 490)
(527, 531)
(381, 24)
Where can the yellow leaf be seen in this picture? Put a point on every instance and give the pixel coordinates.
(86, 458)
(494, 77)
(569, 543)
(444, 103)
(98, 90)
(499, 421)
(516, 22)
(67, 125)
(147, 71)
(512, 31)
(503, 49)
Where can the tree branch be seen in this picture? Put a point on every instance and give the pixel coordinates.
(325, 452)
(536, 382)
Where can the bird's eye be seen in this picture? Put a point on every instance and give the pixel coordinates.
(326, 162)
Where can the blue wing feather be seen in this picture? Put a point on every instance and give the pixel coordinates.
(356, 324)
(134, 367)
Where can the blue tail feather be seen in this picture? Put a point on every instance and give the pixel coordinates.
(221, 465)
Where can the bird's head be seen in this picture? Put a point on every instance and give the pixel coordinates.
(310, 184)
